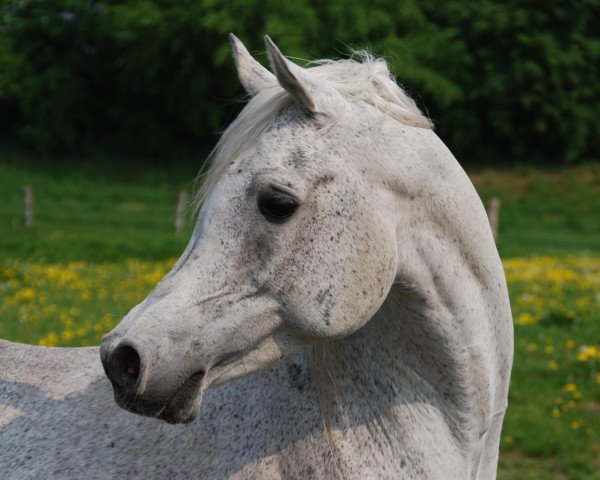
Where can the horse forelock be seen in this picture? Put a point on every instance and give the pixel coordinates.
(361, 78)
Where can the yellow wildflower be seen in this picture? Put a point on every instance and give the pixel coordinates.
(526, 319)
(570, 387)
(583, 356)
(25, 294)
(587, 352)
(49, 340)
(67, 335)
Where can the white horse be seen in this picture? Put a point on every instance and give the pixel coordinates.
(341, 257)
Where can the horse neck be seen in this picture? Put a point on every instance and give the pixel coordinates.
(398, 363)
(429, 370)
(399, 392)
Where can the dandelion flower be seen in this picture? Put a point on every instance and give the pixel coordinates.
(570, 387)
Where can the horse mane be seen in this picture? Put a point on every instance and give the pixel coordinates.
(361, 77)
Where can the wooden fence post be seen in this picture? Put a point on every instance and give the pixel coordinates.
(28, 201)
(180, 212)
(493, 215)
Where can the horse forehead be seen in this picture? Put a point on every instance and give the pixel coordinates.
(293, 127)
(292, 153)
(311, 149)
(286, 135)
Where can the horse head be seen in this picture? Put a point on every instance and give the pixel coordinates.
(328, 189)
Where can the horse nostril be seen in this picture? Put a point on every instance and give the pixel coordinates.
(133, 363)
(123, 366)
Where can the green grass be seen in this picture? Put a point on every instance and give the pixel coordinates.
(122, 211)
(104, 235)
(565, 447)
(105, 211)
(545, 212)
(71, 303)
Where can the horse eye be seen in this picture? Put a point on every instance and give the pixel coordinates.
(276, 207)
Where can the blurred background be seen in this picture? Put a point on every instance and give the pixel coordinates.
(109, 108)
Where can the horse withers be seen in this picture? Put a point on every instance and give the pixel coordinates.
(342, 270)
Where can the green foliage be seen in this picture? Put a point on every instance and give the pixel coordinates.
(531, 82)
(504, 82)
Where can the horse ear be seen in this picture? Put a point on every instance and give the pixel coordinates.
(292, 78)
(253, 76)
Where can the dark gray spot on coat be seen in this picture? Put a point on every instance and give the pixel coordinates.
(323, 294)
(297, 379)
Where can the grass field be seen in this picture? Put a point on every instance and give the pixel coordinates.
(102, 241)
(99, 212)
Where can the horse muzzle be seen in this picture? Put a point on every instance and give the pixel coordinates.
(147, 391)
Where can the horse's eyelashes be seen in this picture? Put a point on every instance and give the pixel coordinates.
(276, 207)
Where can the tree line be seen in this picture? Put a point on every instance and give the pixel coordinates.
(504, 81)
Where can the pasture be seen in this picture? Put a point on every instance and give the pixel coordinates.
(103, 236)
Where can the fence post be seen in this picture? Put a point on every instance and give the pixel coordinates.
(28, 201)
(493, 213)
(180, 212)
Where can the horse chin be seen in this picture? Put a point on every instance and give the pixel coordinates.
(184, 406)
